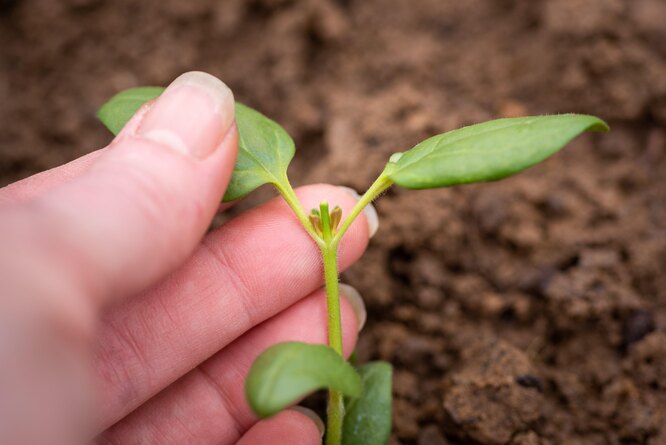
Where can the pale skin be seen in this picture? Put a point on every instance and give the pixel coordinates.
(121, 319)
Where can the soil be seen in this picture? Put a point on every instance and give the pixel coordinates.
(526, 312)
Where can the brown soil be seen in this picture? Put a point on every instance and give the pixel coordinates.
(526, 312)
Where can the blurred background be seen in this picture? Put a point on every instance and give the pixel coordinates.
(526, 312)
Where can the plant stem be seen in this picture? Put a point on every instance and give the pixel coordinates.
(328, 244)
(377, 187)
(329, 255)
(336, 408)
(335, 416)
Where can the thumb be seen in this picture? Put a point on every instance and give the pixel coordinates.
(146, 202)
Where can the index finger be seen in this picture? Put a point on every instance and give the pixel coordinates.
(250, 269)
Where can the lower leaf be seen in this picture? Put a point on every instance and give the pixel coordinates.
(287, 372)
(368, 417)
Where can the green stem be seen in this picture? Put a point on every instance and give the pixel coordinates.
(336, 408)
(335, 416)
(329, 255)
(377, 187)
(328, 244)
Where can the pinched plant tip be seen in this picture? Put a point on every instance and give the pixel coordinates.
(335, 216)
(287, 372)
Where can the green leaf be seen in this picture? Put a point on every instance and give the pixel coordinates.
(368, 418)
(286, 372)
(121, 107)
(265, 149)
(488, 151)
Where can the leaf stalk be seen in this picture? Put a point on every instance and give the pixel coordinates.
(380, 185)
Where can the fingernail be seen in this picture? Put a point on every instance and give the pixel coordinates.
(369, 210)
(356, 302)
(312, 415)
(192, 116)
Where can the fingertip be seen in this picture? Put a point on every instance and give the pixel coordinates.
(312, 416)
(192, 116)
(350, 325)
(290, 426)
(355, 300)
(142, 207)
(131, 126)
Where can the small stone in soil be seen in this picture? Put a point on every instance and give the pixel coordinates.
(530, 381)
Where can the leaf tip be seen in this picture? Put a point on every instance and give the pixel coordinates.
(600, 126)
(594, 124)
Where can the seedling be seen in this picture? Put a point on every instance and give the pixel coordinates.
(359, 404)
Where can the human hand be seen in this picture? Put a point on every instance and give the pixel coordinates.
(117, 319)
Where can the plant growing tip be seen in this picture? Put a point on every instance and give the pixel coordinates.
(359, 406)
(316, 220)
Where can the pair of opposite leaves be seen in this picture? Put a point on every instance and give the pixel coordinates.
(484, 152)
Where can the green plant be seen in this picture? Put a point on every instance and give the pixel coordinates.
(359, 406)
